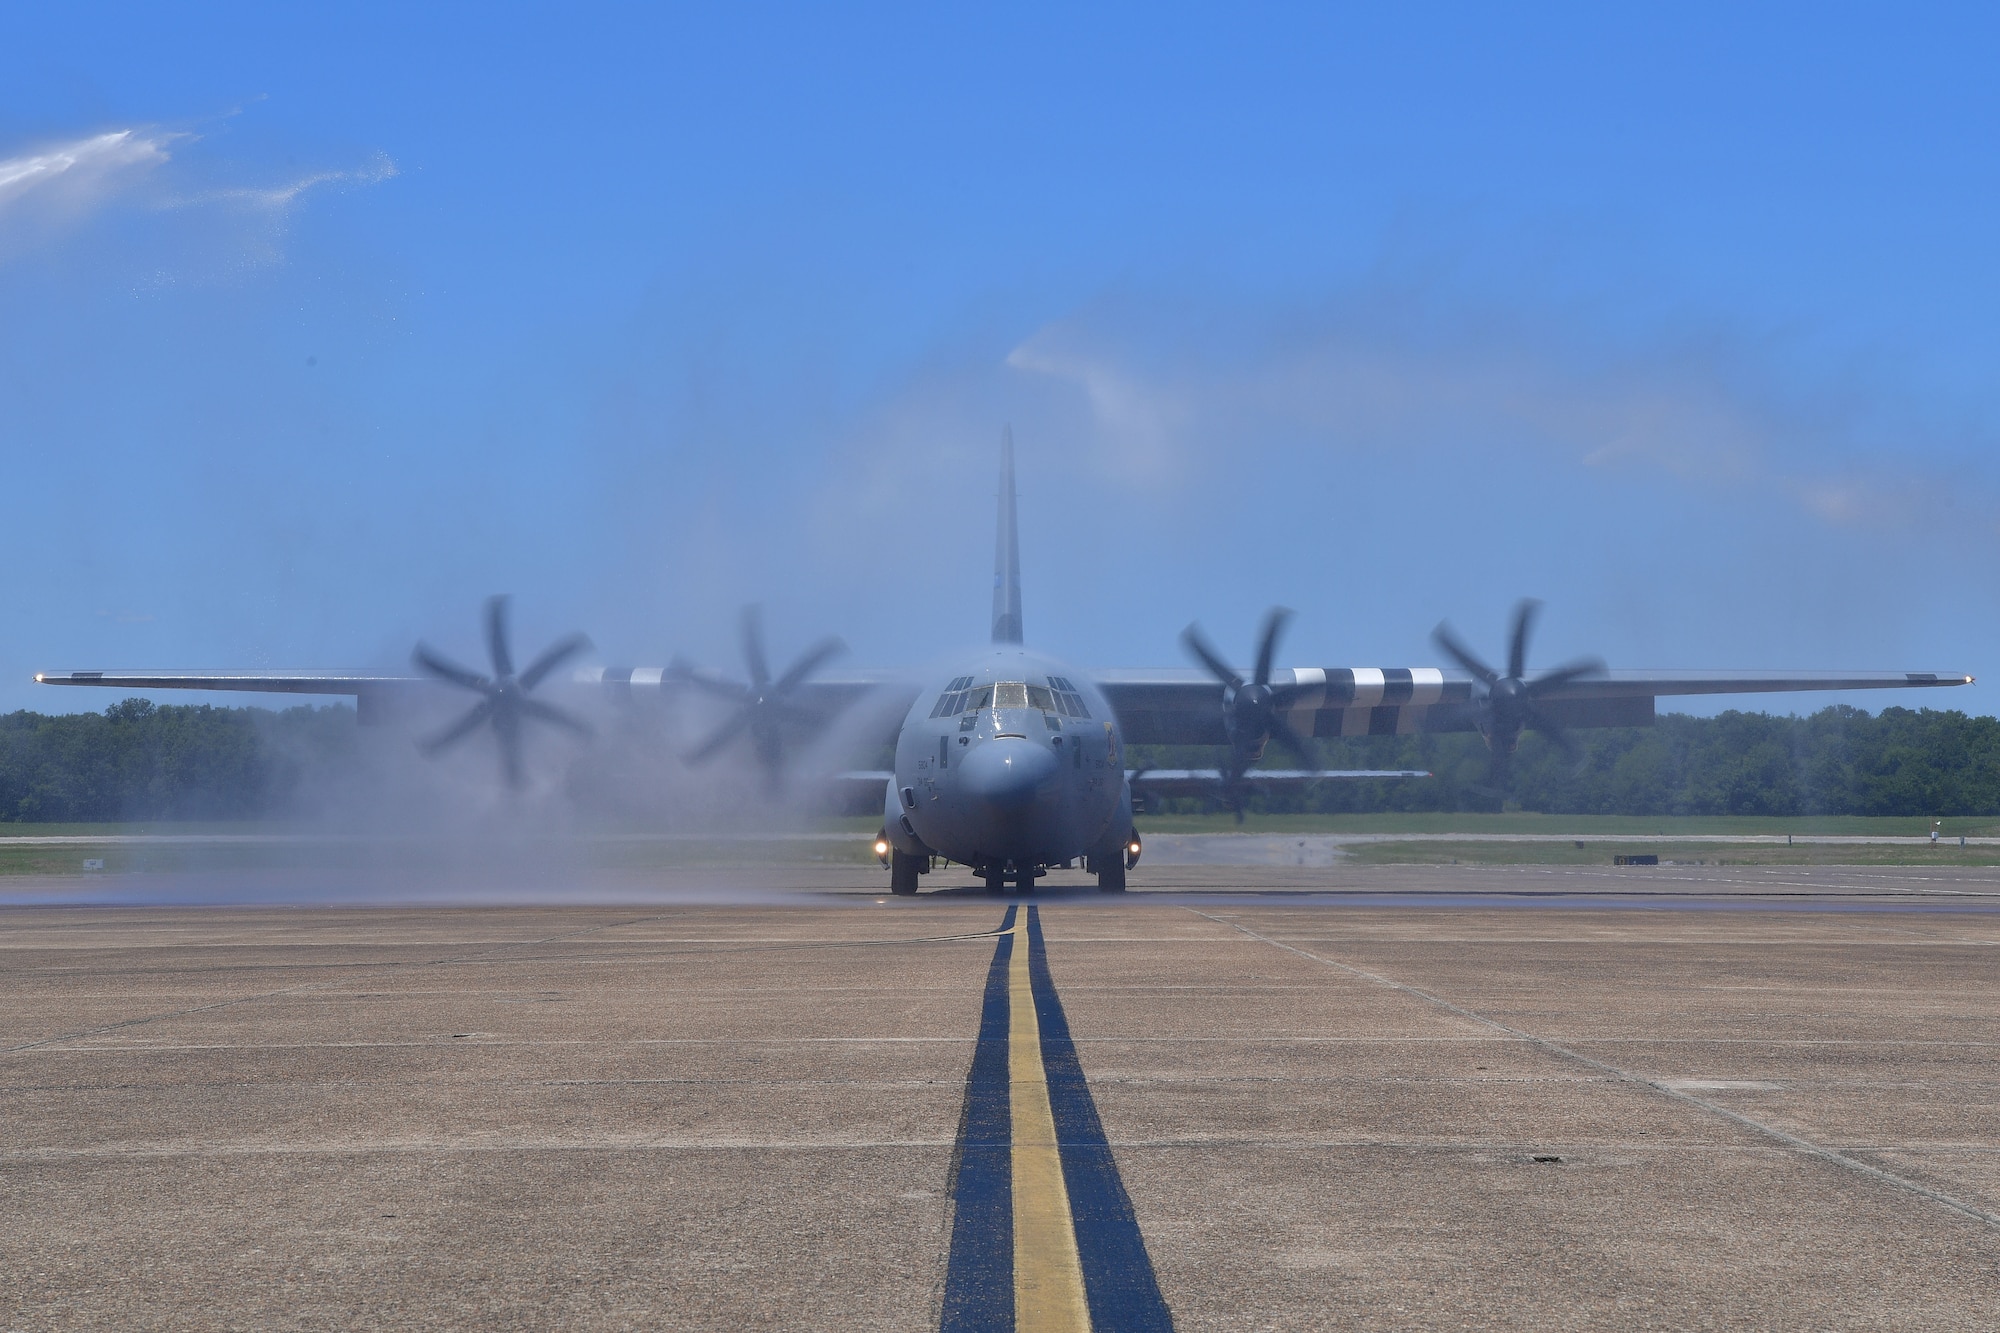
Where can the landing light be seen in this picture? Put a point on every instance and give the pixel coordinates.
(881, 846)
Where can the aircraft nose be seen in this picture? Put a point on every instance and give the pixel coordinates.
(1006, 770)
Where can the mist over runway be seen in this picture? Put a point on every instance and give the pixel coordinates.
(1239, 867)
(1513, 1096)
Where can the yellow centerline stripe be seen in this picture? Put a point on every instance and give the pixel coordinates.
(1048, 1278)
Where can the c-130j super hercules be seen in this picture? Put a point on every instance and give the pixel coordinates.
(1015, 762)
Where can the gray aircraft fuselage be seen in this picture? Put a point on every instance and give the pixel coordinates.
(1012, 764)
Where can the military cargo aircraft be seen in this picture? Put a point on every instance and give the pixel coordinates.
(1015, 762)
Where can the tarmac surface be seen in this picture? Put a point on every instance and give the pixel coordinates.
(1398, 1097)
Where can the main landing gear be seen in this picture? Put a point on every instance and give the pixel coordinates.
(1110, 867)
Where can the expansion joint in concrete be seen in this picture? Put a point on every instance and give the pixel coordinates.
(312, 986)
(1804, 1146)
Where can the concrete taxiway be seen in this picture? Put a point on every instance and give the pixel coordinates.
(1394, 1097)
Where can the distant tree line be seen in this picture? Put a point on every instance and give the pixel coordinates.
(138, 761)
(1838, 761)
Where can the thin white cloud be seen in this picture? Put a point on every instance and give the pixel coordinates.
(1143, 424)
(277, 198)
(56, 189)
(1163, 394)
(79, 175)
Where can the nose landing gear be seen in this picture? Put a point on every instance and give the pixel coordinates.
(999, 877)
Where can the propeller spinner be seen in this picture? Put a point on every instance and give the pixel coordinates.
(1253, 711)
(1512, 701)
(764, 709)
(506, 703)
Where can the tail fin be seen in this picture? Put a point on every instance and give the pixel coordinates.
(1007, 552)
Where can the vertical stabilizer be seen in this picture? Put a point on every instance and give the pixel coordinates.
(1007, 552)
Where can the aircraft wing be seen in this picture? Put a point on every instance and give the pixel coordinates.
(1183, 706)
(1155, 706)
(379, 694)
(1205, 781)
(253, 682)
(370, 690)
(824, 694)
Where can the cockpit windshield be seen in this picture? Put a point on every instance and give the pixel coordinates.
(1019, 695)
(961, 697)
(1009, 694)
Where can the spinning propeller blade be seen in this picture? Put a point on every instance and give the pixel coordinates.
(506, 698)
(1511, 702)
(765, 709)
(1253, 711)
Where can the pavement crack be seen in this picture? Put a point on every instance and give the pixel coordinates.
(485, 955)
(1802, 1145)
(311, 986)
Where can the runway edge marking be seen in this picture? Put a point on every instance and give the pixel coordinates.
(1806, 1146)
(1043, 1233)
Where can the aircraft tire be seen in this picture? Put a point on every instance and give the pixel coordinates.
(1024, 881)
(1111, 878)
(996, 882)
(903, 872)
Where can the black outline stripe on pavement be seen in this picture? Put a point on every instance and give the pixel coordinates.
(979, 1281)
(1120, 1286)
(1117, 1272)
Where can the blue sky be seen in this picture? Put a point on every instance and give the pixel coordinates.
(317, 328)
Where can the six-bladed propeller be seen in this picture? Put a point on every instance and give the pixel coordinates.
(1253, 710)
(1511, 702)
(765, 709)
(506, 704)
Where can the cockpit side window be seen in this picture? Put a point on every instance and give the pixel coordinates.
(952, 700)
(1068, 702)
